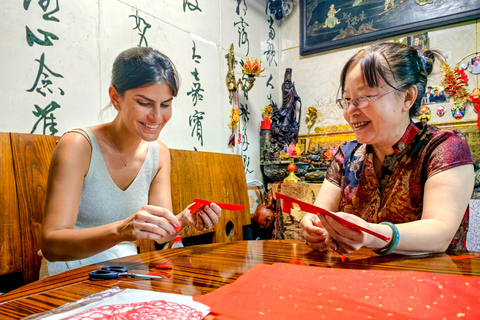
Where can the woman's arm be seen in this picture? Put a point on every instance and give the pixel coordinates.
(60, 241)
(446, 197)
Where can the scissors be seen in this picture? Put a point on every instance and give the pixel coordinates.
(113, 272)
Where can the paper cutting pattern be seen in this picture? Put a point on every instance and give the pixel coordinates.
(152, 310)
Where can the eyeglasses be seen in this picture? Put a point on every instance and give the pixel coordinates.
(359, 102)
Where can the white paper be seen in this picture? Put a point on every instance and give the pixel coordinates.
(132, 295)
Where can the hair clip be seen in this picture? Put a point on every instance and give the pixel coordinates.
(424, 60)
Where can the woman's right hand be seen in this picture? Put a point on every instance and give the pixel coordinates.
(150, 222)
(314, 232)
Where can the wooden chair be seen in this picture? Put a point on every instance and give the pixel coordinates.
(31, 158)
(10, 259)
(211, 176)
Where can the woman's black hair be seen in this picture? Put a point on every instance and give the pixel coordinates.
(141, 66)
(399, 65)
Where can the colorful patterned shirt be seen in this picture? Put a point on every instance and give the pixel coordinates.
(397, 196)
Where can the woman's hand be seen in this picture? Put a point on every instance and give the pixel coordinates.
(344, 239)
(313, 232)
(150, 222)
(203, 219)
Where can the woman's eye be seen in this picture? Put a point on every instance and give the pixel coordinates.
(165, 105)
(145, 104)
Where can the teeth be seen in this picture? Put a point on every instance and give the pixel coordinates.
(359, 124)
(152, 126)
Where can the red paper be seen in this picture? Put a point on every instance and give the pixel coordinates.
(288, 206)
(283, 291)
(156, 309)
(198, 204)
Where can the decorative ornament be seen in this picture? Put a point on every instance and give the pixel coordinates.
(311, 117)
(454, 82)
(291, 177)
(280, 8)
(475, 98)
(474, 65)
(440, 111)
(425, 114)
(250, 70)
(458, 111)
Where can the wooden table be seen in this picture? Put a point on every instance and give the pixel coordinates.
(204, 268)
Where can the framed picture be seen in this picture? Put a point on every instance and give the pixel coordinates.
(330, 24)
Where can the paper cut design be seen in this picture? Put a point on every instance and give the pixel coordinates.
(157, 309)
(285, 292)
(198, 204)
(288, 206)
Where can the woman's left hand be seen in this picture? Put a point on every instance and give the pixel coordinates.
(344, 239)
(203, 219)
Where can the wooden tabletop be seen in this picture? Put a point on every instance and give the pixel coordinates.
(204, 268)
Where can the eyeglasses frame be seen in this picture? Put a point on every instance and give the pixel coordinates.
(370, 99)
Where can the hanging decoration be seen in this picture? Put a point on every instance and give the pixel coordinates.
(440, 111)
(251, 69)
(458, 110)
(475, 98)
(425, 113)
(455, 82)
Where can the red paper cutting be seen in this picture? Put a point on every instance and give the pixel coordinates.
(285, 291)
(198, 204)
(156, 309)
(288, 206)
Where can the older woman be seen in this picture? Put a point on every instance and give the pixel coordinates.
(408, 181)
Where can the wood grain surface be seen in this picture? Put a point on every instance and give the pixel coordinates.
(204, 268)
(10, 242)
(31, 157)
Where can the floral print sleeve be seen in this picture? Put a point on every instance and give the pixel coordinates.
(334, 172)
(449, 149)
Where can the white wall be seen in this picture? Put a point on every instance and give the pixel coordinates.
(90, 35)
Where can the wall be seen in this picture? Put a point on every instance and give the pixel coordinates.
(317, 75)
(59, 80)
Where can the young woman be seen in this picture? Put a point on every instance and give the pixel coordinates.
(109, 185)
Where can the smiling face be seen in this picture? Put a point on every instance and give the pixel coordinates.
(144, 111)
(381, 124)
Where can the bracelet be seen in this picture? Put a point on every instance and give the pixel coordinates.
(393, 243)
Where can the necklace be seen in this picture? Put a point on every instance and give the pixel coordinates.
(119, 154)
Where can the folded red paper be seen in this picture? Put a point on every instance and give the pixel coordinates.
(198, 204)
(288, 206)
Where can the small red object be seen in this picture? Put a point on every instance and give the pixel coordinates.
(288, 206)
(164, 266)
(198, 204)
(177, 229)
(343, 259)
(292, 167)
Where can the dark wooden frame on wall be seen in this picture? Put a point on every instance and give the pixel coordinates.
(460, 10)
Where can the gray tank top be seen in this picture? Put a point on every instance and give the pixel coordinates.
(102, 200)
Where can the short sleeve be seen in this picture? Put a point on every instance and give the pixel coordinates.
(335, 170)
(448, 150)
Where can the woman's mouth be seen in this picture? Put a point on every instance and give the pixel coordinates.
(359, 125)
(151, 126)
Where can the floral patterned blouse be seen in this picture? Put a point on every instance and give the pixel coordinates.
(397, 196)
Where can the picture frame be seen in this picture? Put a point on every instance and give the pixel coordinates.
(331, 24)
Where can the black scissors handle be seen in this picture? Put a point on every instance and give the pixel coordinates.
(107, 273)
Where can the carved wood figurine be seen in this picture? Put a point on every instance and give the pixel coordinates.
(264, 212)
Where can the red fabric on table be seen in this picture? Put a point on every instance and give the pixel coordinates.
(284, 291)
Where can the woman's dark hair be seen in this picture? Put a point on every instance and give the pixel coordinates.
(141, 66)
(399, 65)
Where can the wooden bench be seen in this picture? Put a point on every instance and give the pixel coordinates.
(24, 163)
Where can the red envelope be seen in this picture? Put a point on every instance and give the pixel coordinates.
(198, 204)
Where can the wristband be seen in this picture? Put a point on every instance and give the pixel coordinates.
(393, 243)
